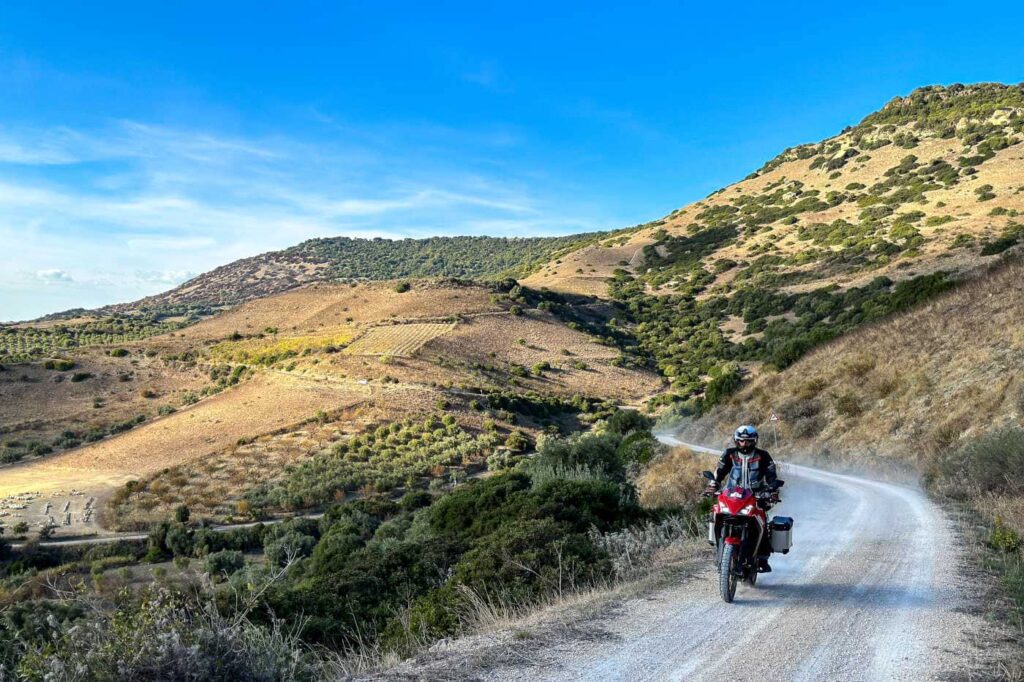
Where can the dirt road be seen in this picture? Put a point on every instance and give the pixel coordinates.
(868, 592)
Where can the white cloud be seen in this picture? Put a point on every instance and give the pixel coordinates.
(130, 209)
(53, 275)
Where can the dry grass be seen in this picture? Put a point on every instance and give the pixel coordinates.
(505, 340)
(504, 633)
(586, 271)
(265, 404)
(35, 406)
(260, 351)
(922, 382)
(673, 479)
(323, 307)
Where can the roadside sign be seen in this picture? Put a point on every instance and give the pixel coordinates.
(774, 417)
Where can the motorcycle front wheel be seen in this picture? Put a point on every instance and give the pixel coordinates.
(727, 573)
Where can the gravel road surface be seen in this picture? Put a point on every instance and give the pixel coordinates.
(868, 592)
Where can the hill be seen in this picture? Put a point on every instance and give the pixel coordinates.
(347, 259)
(207, 413)
(317, 260)
(821, 239)
(908, 389)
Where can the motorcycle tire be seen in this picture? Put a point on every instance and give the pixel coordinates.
(727, 573)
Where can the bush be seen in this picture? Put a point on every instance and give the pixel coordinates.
(517, 442)
(80, 376)
(224, 563)
(165, 636)
(59, 365)
(291, 545)
(119, 353)
(981, 465)
(848, 405)
(623, 422)
(1004, 539)
(403, 287)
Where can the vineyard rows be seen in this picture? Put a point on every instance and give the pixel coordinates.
(399, 340)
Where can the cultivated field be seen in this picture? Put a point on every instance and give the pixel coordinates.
(329, 306)
(400, 340)
(265, 404)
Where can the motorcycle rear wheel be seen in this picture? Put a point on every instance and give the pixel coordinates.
(727, 573)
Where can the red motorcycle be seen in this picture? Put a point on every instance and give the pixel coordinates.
(736, 525)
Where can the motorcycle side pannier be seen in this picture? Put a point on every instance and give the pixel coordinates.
(782, 533)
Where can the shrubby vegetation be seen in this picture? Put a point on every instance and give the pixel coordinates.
(22, 344)
(471, 257)
(373, 571)
(684, 337)
(382, 459)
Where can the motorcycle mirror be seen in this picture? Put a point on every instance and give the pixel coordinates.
(708, 475)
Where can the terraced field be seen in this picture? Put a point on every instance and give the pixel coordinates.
(401, 340)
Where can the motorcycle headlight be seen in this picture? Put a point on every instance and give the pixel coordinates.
(746, 510)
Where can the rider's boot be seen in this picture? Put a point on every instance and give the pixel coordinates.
(762, 565)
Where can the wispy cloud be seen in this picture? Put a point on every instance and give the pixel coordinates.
(130, 208)
(53, 276)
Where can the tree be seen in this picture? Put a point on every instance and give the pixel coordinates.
(224, 563)
(182, 513)
(517, 442)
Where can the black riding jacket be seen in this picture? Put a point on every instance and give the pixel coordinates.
(755, 471)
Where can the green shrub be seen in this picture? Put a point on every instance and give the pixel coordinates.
(81, 376)
(119, 353)
(224, 563)
(541, 367)
(403, 287)
(517, 442)
(1004, 539)
(848, 405)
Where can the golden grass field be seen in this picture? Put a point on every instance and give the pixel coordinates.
(904, 389)
(35, 406)
(265, 404)
(313, 309)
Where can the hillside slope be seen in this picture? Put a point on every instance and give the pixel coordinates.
(845, 209)
(346, 258)
(907, 389)
(822, 239)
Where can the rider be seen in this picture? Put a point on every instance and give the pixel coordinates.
(748, 466)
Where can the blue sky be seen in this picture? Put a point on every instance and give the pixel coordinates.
(141, 143)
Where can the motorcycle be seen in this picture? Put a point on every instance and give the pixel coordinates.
(736, 525)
